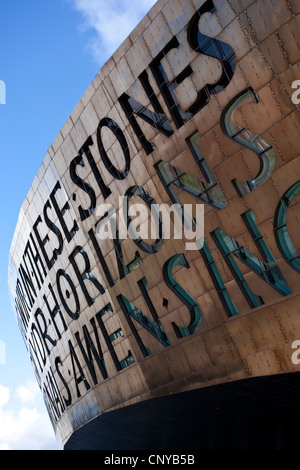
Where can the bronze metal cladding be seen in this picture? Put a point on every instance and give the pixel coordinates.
(199, 106)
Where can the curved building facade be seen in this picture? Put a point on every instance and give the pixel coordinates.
(198, 111)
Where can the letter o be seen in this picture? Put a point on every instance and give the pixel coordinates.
(148, 199)
(62, 273)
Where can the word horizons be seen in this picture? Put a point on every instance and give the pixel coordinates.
(58, 225)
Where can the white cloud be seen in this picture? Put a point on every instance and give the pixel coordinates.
(4, 395)
(28, 429)
(24, 428)
(27, 393)
(111, 20)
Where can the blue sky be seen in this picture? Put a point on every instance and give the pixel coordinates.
(50, 51)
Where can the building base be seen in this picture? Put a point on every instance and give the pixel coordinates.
(261, 413)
